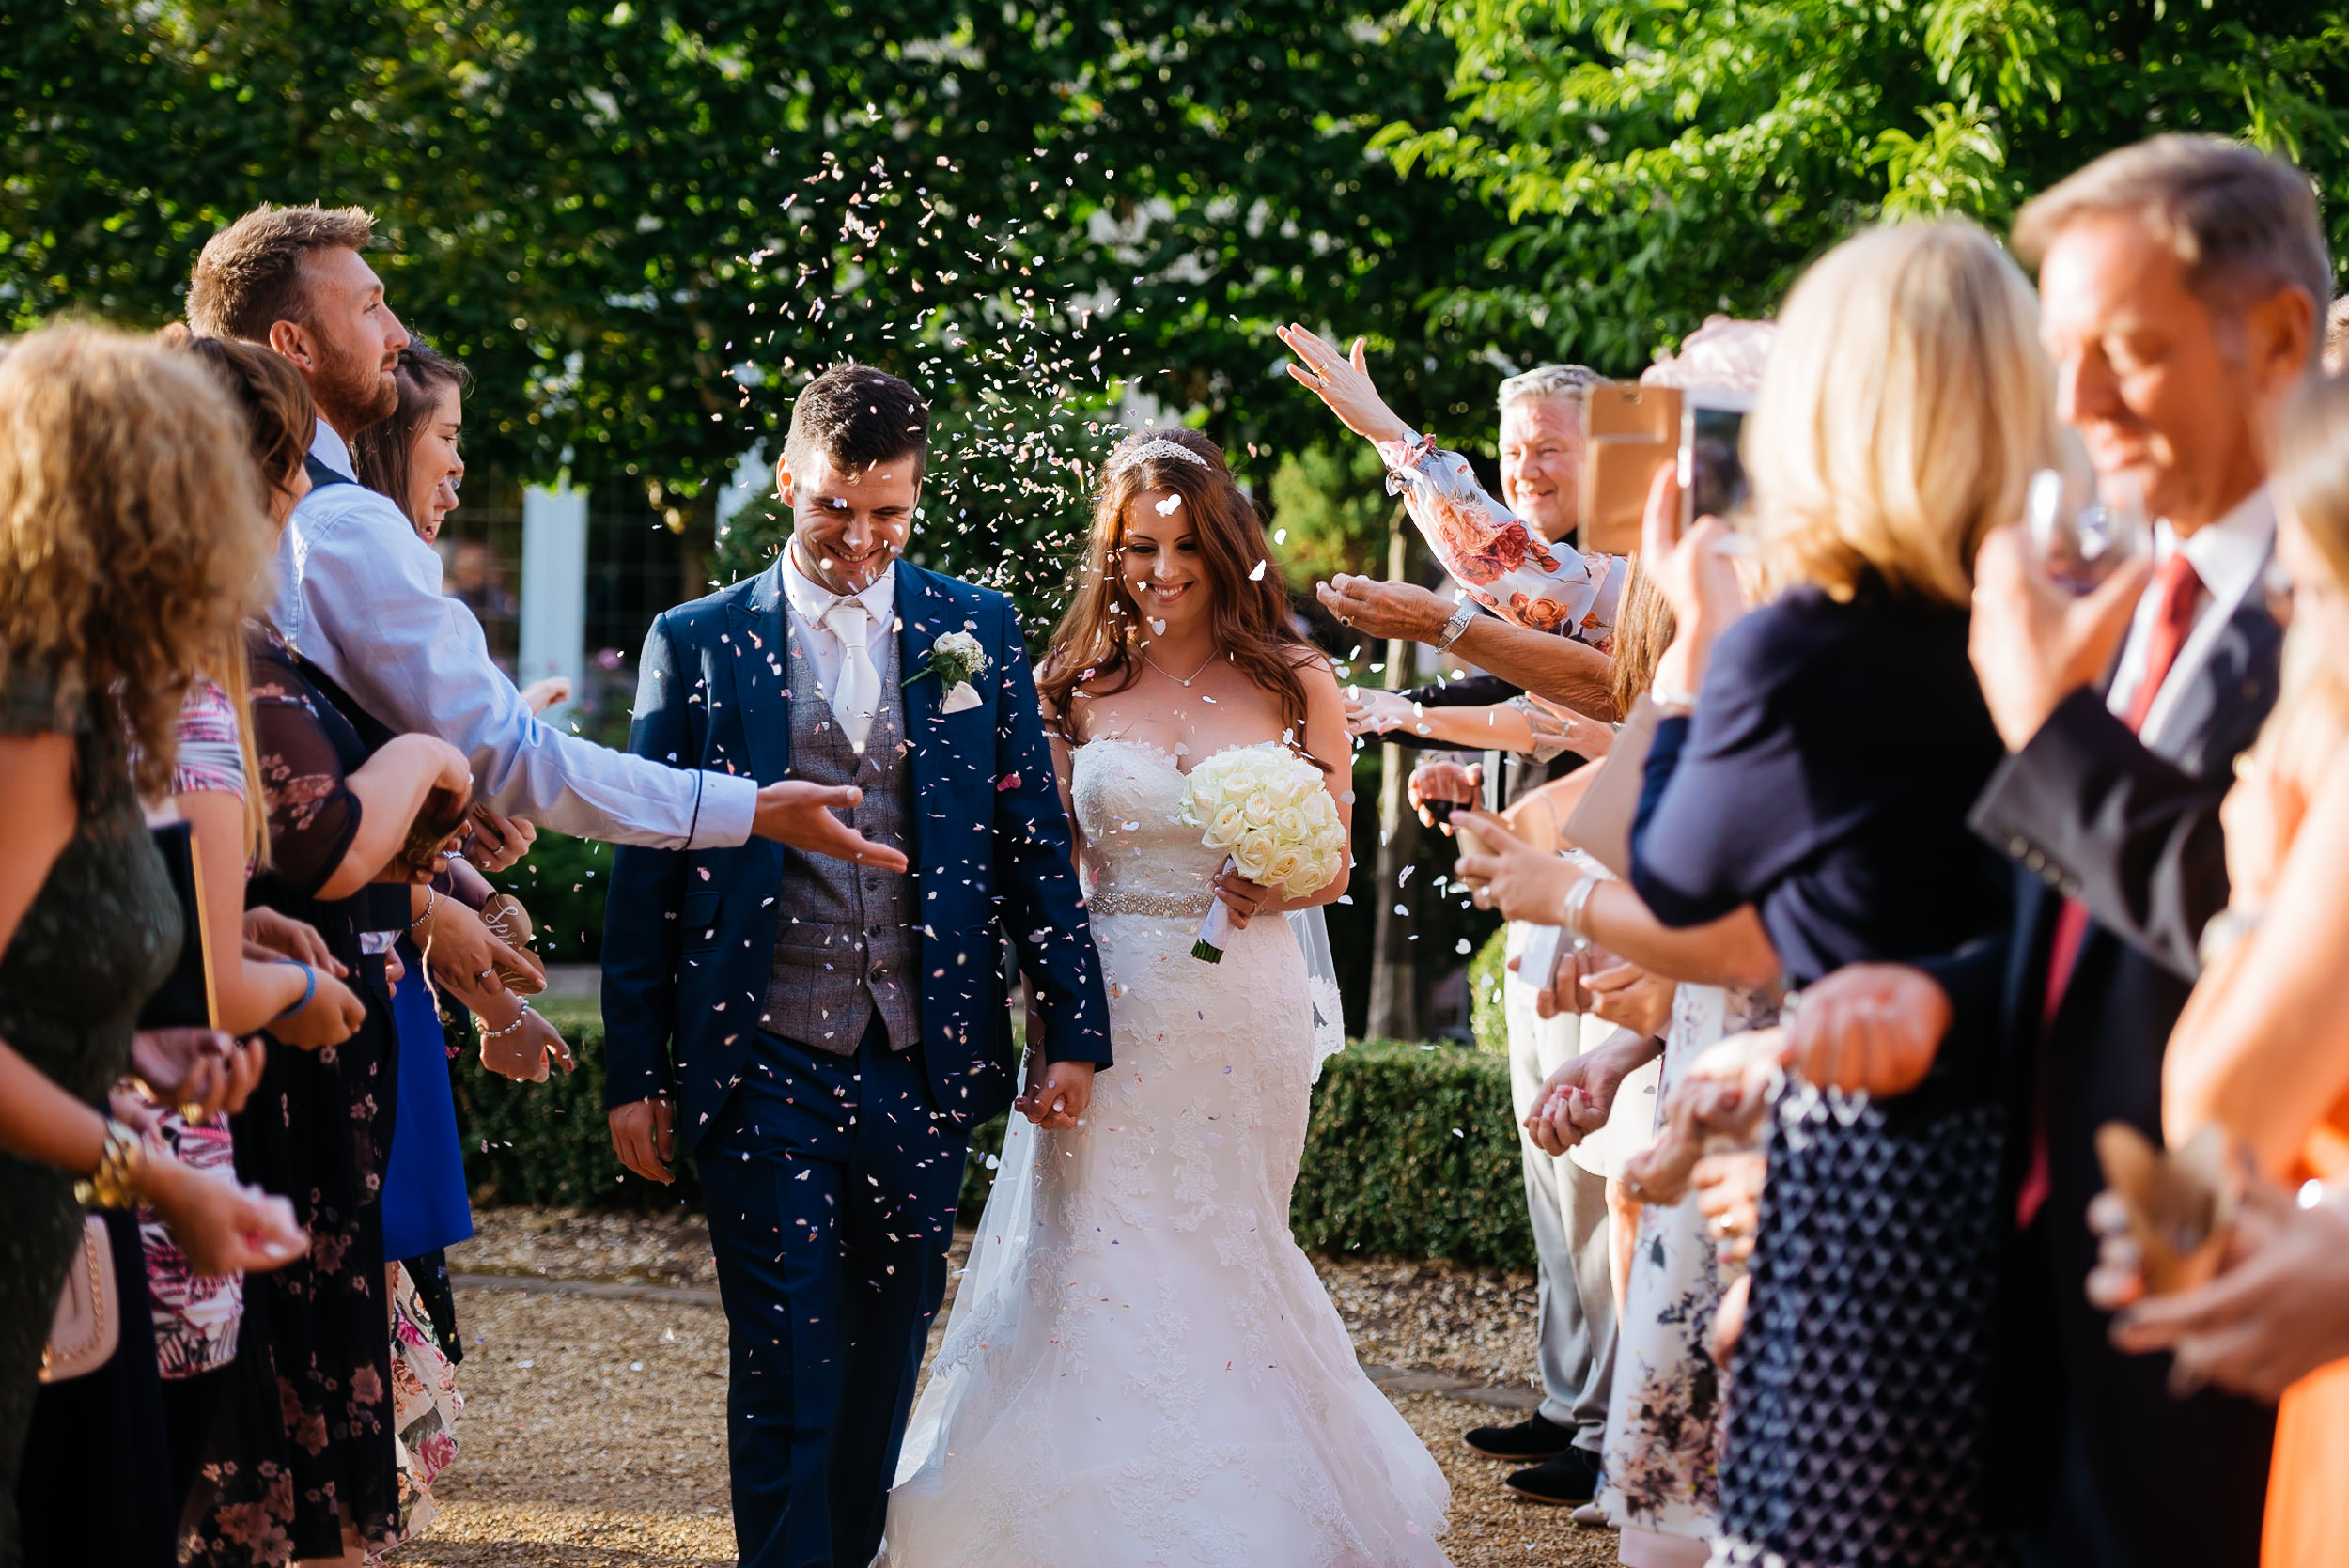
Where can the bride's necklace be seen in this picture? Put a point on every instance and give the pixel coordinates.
(1182, 681)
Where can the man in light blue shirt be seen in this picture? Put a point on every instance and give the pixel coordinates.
(359, 593)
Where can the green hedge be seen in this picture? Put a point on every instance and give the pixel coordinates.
(1412, 1152)
(1485, 973)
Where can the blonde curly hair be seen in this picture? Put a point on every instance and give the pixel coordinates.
(131, 530)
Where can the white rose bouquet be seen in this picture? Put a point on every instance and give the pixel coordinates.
(1267, 808)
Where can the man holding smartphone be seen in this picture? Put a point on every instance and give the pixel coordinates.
(1541, 450)
(2181, 285)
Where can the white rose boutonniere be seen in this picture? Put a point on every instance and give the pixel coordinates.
(956, 660)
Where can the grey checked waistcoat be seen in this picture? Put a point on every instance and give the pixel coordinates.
(847, 941)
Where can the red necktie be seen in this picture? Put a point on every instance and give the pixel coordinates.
(2177, 591)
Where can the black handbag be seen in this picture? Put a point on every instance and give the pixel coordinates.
(185, 999)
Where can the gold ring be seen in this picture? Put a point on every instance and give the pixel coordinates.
(190, 1111)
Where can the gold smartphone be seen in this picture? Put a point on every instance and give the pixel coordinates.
(1632, 430)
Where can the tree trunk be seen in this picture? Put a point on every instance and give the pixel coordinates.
(1393, 976)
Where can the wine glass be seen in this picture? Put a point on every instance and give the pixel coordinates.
(2081, 530)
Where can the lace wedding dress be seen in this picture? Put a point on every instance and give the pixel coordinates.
(1142, 1366)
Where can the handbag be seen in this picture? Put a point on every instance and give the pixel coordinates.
(88, 1323)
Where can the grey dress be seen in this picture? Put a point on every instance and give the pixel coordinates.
(102, 932)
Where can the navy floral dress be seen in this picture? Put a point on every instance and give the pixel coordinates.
(319, 1468)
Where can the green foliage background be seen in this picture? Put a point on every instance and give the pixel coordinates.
(623, 215)
(1659, 159)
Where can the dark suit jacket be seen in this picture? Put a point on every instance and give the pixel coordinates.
(690, 936)
(2087, 811)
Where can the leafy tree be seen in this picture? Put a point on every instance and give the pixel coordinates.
(1664, 159)
(623, 216)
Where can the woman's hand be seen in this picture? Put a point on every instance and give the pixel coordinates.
(1630, 998)
(331, 1015)
(1377, 712)
(1578, 1098)
(522, 1052)
(2257, 824)
(1728, 1185)
(540, 695)
(1585, 736)
(464, 953)
(223, 1227)
(494, 842)
(1444, 781)
(201, 1071)
(1343, 382)
(1871, 1027)
(1241, 896)
(1696, 577)
(281, 935)
(1517, 880)
(2277, 1312)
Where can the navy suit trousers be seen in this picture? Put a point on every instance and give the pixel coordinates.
(830, 1190)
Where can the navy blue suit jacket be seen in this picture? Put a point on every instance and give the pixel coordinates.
(689, 935)
(2088, 811)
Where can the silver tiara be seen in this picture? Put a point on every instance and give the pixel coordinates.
(1157, 446)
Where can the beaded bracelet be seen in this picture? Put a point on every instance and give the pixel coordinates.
(519, 1018)
(431, 896)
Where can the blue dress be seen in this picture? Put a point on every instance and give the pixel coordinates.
(425, 1203)
(1824, 779)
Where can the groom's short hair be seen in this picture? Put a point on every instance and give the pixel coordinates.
(857, 417)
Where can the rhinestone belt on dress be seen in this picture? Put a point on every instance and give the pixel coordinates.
(1165, 905)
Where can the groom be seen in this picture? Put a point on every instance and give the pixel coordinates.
(823, 1034)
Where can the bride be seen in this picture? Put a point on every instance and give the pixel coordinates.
(1142, 1366)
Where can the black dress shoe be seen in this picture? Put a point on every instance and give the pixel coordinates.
(1534, 1437)
(1570, 1478)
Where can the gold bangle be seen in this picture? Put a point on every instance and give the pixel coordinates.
(120, 1178)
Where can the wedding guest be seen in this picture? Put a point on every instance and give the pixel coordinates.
(1906, 406)
(1496, 556)
(2262, 1049)
(128, 550)
(412, 458)
(360, 595)
(1528, 743)
(2182, 282)
(216, 788)
(314, 1465)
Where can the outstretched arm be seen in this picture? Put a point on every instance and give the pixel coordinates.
(1506, 564)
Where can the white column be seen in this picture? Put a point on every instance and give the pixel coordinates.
(554, 589)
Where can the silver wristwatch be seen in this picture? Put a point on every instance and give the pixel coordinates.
(1456, 625)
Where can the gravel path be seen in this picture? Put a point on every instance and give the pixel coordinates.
(594, 1433)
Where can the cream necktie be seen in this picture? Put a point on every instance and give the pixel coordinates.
(857, 694)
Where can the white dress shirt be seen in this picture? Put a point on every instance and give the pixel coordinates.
(808, 600)
(359, 594)
(2230, 555)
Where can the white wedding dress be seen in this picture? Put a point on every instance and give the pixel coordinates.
(1142, 1367)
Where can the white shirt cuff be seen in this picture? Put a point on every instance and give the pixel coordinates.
(729, 802)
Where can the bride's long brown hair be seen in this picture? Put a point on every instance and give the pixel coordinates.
(1097, 639)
